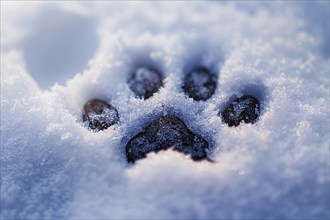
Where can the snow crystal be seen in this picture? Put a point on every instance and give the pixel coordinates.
(99, 114)
(245, 108)
(145, 82)
(199, 84)
(166, 132)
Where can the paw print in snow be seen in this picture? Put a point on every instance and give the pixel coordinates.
(169, 131)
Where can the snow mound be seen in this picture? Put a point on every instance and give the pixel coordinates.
(53, 166)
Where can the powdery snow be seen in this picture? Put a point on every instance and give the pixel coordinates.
(53, 166)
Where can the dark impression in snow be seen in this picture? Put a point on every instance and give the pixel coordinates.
(99, 115)
(144, 82)
(245, 108)
(164, 133)
(199, 84)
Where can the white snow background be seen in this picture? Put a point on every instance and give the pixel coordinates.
(57, 55)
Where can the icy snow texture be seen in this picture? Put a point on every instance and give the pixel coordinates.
(244, 109)
(163, 133)
(99, 115)
(144, 82)
(199, 84)
(53, 167)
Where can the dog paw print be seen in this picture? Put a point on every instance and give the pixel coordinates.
(170, 131)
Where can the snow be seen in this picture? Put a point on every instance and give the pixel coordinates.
(165, 132)
(145, 82)
(243, 109)
(99, 115)
(199, 84)
(53, 166)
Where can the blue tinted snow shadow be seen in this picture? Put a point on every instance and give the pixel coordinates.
(317, 16)
(59, 45)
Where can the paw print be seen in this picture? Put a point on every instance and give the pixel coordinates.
(169, 131)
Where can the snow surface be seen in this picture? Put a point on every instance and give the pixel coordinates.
(53, 167)
(145, 82)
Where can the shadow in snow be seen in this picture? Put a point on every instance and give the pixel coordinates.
(59, 45)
